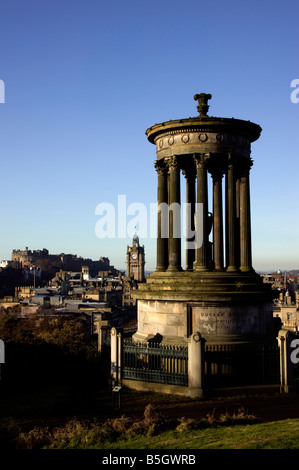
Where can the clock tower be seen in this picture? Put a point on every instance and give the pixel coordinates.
(135, 260)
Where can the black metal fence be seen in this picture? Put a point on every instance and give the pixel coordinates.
(243, 364)
(256, 363)
(153, 362)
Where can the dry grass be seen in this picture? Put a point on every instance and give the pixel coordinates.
(80, 434)
(241, 416)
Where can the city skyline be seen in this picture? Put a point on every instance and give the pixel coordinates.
(83, 82)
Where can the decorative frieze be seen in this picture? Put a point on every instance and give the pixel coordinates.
(188, 141)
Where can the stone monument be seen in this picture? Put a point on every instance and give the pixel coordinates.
(218, 293)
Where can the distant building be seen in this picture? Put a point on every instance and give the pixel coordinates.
(128, 286)
(27, 256)
(135, 272)
(67, 262)
(135, 260)
(286, 305)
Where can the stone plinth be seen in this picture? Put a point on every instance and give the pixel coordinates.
(223, 307)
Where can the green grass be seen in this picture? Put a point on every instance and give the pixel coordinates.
(275, 435)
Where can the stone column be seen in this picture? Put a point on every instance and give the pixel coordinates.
(245, 222)
(201, 225)
(231, 216)
(226, 220)
(217, 220)
(174, 240)
(190, 201)
(162, 215)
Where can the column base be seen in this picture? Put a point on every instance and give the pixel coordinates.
(232, 269)
(173, 269)
(246, 269)
(160, 269)
(219, 269)
(197, 268)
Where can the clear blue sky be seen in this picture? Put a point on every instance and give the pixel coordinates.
(84, 79)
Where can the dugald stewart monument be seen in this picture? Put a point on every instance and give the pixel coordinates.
(218, 293)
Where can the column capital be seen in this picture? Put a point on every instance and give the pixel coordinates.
(189, 174)
(160, 167)
(245, 166)
(216, 173)
(201, 159)
(172, 162)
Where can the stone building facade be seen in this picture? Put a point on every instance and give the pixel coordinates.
(28, 257)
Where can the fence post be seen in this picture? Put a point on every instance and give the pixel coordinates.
(119, 359)
(114, 355)
(286, 367)
(102, 331)
(196, 366)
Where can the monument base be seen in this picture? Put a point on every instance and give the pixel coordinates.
(223, 307)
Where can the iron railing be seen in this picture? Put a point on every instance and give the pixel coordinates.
(256, 363)
(154, 362)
